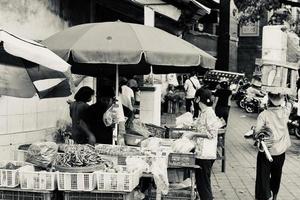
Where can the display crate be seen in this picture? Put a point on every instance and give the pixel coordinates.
(117, 153)
(156, 131)
(181, 159)
(176, 133)
(122, 181)
(172, 195)
(38, 180)
(76, 181)
(10, 177)
(18, 194)
(94, 195)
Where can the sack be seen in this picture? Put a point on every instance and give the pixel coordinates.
(42, 154)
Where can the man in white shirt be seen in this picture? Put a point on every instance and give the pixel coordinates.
(126, 96)
(190, 86)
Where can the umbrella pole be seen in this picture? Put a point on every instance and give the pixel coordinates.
(115, 132)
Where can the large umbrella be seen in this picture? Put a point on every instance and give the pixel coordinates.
(116, 47)
(27, 68)
(96, 48)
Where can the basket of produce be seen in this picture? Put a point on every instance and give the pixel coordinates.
(117, 153)
(81, 159)
(156, 131)
(121, 180)
(9, 173)
(38, 180)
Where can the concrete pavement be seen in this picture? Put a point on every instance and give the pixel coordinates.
(238, 182)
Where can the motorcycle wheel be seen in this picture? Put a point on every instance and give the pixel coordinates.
(297, 132)
(241, 103)
(249, 109)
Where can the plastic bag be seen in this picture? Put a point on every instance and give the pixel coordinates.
(139, 128)
(183, 145)
(135, 163)
(185, 120)
(42, 154)
(160, 174)
(151, 144)
(114, 114)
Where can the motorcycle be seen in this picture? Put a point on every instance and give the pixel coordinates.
(294, 123)
(254, 104)
(241, 94)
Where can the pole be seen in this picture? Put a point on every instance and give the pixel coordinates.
(115, 132)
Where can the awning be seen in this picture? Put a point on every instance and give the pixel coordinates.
(172, 9)
(161, 7)
(212, 4)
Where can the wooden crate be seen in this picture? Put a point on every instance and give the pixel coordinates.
(19, 194)
(279, 77)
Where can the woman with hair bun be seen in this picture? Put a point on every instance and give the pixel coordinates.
(206, 138)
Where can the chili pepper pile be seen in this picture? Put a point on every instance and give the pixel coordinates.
(81, 156)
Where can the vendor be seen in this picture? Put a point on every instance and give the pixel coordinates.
(98, 115)
(77, 108)
(206, 139)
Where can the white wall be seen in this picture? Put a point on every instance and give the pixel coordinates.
(28, 120)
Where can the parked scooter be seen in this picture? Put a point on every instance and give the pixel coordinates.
(294, 123)
(253, 105)
(240, 95)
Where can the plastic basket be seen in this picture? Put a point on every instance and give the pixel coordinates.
(10, 177)
(38, 180)
(76, 181)
(121, 181)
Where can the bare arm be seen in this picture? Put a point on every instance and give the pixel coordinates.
(86, 130)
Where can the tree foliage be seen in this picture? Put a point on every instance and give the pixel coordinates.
(252, 10)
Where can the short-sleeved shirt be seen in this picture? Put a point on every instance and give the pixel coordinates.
(189, 87)
(77, 108)
(223, 97)
(276, 119)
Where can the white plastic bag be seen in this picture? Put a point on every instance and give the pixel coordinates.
(183, 145)
(160, 174)
(185, 120)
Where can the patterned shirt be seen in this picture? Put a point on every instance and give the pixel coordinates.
(207, 124)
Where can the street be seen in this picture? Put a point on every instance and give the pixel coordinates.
(238, 182)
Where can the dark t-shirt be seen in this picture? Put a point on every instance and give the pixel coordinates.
(223, 95)
(77, 108)
(93, 117)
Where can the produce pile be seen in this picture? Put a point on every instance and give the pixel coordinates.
(117, 150)
(9, 166)
(82, 156)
